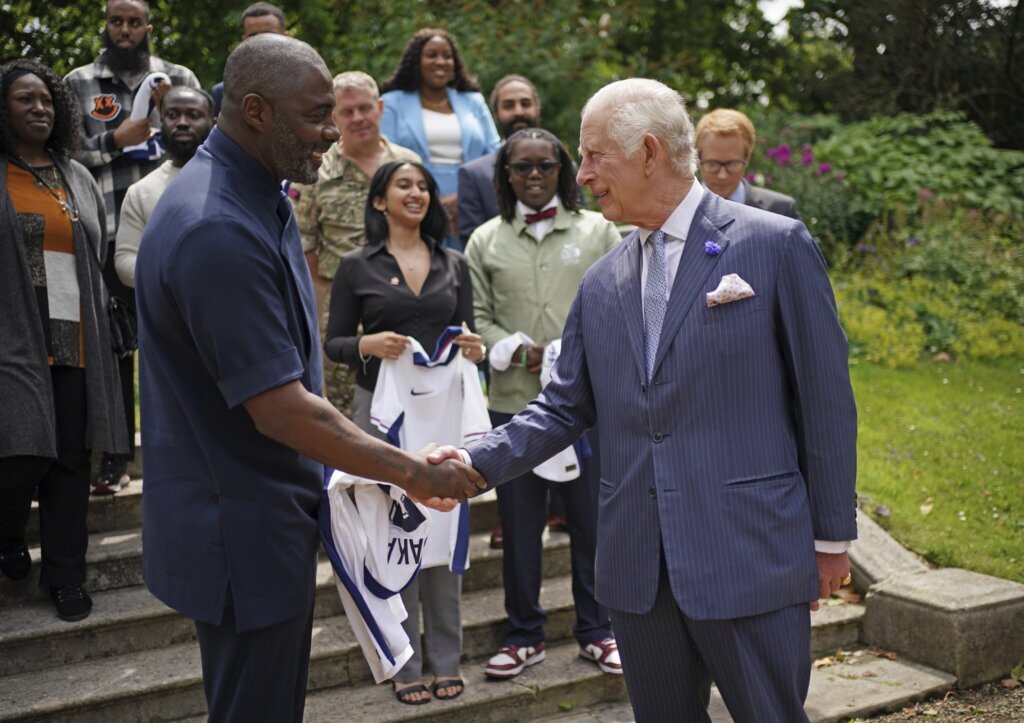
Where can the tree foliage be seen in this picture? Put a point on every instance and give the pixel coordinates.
(723, 52)
(881, 57)
(938, 54)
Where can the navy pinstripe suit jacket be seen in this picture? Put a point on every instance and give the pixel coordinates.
(742, 449)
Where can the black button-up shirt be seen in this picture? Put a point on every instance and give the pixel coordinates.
(369, 289)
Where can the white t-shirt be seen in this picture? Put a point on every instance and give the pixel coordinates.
(421, 399)
(444, 137)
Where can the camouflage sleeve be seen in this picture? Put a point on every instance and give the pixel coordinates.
(306, 211)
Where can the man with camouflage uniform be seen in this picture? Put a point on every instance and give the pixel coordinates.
(330, 212)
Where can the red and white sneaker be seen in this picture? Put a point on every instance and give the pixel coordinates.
(605, 653)
(510, 661)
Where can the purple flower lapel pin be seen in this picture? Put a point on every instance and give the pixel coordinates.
(711, 248)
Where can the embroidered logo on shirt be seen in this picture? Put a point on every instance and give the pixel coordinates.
(105, 107)
(571, 254)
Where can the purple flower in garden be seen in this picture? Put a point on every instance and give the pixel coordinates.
(711, 248)
(865, 248)
(767, 180)
(806, 155)
(751, 177)
(839, 175)
(781, 154)
(914, 241)
(824, 168)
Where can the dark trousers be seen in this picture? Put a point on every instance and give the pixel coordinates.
(63, 488)
(126, 366)
(259, 675)
(522, 505)
(761, 664)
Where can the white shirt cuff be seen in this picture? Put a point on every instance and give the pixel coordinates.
(830, 547)
(466, 459)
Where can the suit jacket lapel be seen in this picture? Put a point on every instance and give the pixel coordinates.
(694, 267)
(627, 281)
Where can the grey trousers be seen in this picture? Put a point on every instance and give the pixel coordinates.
(436, 592)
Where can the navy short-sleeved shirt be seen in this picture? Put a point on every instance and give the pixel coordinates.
(226, 311)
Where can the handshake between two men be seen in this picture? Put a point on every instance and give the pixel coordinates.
(447, 480)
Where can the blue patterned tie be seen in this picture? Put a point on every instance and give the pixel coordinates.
(654, 299)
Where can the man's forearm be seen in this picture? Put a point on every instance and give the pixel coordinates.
(312, 427)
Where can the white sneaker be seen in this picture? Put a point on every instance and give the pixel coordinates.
(605, 653)
(510, 661)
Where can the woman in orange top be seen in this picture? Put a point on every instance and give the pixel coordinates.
(60, 391)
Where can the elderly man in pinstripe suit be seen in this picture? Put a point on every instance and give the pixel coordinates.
(708, 346)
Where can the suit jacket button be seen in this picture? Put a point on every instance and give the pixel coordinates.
(657, 437)
(652, 491)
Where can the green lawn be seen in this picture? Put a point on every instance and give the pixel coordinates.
(941, 446)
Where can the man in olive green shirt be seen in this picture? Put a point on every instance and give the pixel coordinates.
(330, 212)
(526, 265)
(522, 284)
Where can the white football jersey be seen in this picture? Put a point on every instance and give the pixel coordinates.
(374, 536)
(421, 399)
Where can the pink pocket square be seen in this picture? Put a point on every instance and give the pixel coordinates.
(730, 288)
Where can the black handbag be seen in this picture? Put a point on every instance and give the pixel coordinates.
(124, 332)
(124, 329)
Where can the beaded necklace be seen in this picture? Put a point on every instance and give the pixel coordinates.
(67, 206)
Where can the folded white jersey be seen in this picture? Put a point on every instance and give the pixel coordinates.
(421, 399)
(148, 150)
(374, 536)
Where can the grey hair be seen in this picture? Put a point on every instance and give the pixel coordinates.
(639, 106)
(356, 80)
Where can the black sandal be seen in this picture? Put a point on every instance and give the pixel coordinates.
(402, 693)
(445, 683)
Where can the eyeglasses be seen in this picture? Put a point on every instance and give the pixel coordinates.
(525, 168)
(713, 167)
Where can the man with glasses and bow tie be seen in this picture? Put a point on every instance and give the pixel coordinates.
(526, 264)
(725, 140)
(707, 349)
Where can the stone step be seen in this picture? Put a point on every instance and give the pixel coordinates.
(114, 560)
(107, 513)
(132, 620)
(162, 678)
(863, 685)
(539, 690)
(123, 511)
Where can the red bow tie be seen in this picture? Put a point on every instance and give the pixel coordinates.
(541, 215)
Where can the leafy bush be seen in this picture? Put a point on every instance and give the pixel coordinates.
(887, 335)
(894, 321)
(889, 160)
(821, 191)
(979, 253)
